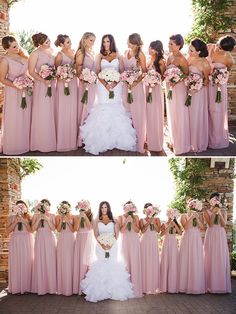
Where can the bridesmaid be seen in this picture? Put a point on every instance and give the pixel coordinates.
(43, 131)
(130, 247)
(44, 266)
(198, 110)
(219, 57)
(155, 110)
(134, 58)
(66, 104)
(170, 256)
(217, 266)
(20, 250)
(150, 252)
(65, 249)
(16, 120)
(177, 112)
(191, 270)
(83, 246)
(84, 58)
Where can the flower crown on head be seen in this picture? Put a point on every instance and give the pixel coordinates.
(194, 204)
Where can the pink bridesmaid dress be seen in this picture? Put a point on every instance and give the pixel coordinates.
(191, 263)
(217, 265)
(155, 120)
(150, 262)
(178, 118)
(169, 263)
(44, 266)
(20, 261)
(138, 107)
(198, 117)
(43, 130)
(130, 246)
(16, 121)
(84, 109)
(82, 257)
(67, 122)
(218, 116)
(65, 259)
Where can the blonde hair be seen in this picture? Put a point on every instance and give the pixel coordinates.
(82, 46)
(135, 39)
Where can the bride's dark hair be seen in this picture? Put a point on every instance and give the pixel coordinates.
(112, 44)
(109, 212)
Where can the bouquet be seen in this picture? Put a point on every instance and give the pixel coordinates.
(151, 212)
(195, 205)
(129, 77)
(48, 72)
(106, 239)
(130, 209)
(26, 84)
(66, 73)
(41, 207)
(173, 75)
(89, 77)
(82, 206)
(151, 79)
(219, 77)
(19, 210)
(110, 76)
(213, 202)
(63, 208)
(173, 214)
(194, 83)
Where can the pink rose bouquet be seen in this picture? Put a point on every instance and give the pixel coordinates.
(130, 209)
(172, 213)
(19, 210)
(151, 212)
(25, 84)
(48, 72)
(63, 209)
(89, 77)
(195, 205)
(219, 77)
(151, 79)
(194, 83)
(129, 77)
(82, 206)
(173, 75)
(66, 73)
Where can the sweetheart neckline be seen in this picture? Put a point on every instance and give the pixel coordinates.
(111, 60)
(105, 224)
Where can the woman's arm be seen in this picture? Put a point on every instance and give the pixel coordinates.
(79, 60)
(32, 66)
(3, 73)
(58, 59)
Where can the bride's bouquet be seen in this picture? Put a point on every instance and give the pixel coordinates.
(173, 75)
(194, 83)
(129, 77)
(66, 73)
(26, 84)
(219, 77)
(151, 212)
(82, 206)
(106, 239)
(194, 205)
(130, 209)
(48, 73)
(88, 77)
(19, 210)
(109, 75)
(151, 79)
(63, 209)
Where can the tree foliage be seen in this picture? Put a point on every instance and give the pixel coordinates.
(25, 41)
(188, 176)
(11, 2)
(29, 166)
(210, 19)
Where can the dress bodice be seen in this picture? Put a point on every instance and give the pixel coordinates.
(89, 62)
(108, 228)
(114, 64)
(194, 69)
(66, 59)
(15, 68)
(44, 58)
(130, 63)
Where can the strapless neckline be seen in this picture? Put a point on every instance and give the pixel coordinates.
(109, 61)
(105, 224)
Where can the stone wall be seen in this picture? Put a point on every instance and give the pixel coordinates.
(10, 191)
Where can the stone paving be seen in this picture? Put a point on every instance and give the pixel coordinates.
(149, 304)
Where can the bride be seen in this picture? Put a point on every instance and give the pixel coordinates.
(107, 278)
(108, 125)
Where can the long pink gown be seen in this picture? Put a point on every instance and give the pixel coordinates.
(137, 109)
(67, 122)
(155, 120)
(178, 118)
(84, 109)
(198, 117)
(217, 266)
(82, 257)
(44, 266)
(43, 129)
(16, 121)
(65, 260)
(218, 115)
(191, 266)
(150, 262)
(130, 247)
(20, 261)
(169, 264)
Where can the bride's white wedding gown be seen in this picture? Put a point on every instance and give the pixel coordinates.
(107, 278)
(108, 125)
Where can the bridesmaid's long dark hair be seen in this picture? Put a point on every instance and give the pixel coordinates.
(109, 212)
(112, 45)
(158, 47)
